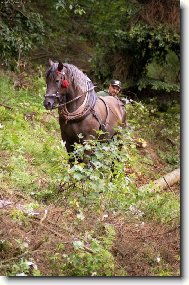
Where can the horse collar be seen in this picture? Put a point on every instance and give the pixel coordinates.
(83, 110)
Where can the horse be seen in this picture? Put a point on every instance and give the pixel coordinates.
(80, 110)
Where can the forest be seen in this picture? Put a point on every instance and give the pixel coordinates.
(90, 219)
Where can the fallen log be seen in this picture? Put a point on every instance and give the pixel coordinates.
(165, 181)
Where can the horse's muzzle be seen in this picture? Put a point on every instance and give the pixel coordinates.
(48, 103)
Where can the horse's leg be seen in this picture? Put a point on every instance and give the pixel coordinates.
(70, 149)
(68, 145)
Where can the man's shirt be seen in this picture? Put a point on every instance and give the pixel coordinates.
(103, 93)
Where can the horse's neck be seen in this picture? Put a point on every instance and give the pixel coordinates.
(71, 95)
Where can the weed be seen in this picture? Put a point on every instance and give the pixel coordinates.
(19, 216)
(163, 207)
(34, 162)
(90, 258)
(24, 268)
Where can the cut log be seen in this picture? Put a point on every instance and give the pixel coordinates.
(166, 181)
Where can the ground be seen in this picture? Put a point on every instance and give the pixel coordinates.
(139, 248)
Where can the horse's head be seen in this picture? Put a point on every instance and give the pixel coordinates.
(56, 85)
(65, 79)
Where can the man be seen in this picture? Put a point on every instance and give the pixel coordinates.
(113, 90)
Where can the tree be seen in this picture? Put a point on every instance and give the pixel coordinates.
(124, 39)
(21, 28)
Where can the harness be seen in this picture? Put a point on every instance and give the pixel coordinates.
(86, 108)
(102, 125)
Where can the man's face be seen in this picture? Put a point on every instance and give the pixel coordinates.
(113, 90)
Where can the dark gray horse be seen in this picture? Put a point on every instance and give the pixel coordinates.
(80, 110)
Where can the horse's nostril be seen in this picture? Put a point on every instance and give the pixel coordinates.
(47, 105)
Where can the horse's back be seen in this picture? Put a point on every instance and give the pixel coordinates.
(115, 109)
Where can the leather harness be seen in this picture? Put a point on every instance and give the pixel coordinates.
(85, 109)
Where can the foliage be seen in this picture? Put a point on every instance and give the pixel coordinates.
(133, 45)
(21, 29)
(135, 39)
(162, 76)
(34, 163)
(164, 207)
(94, 259)
(103, 181)
(24, 268)
(165, 127)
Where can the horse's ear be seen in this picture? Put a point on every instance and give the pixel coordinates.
(50, 62)
(60, 66)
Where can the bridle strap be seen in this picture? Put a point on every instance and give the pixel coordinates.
(76, 98)
(52, 95)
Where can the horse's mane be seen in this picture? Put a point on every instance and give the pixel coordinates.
(77, 77)
(74, 75)
(51, 71)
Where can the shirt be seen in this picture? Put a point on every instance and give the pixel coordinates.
(103, 93)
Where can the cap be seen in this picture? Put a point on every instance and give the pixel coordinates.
(116, 83)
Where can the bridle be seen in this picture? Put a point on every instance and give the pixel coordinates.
(86, 107)
(65, 84)
(58, 96)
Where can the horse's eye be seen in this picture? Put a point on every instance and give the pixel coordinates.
(57, 81)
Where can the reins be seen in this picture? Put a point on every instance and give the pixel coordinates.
(76, 98)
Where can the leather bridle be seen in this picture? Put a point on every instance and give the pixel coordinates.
(58, 96)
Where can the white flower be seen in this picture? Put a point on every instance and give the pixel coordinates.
(78, 244)
(94, 274)
(104, 217)
(32, 264)
(136, 211)
(106, 148)
(158, 259)
(80, 216)
(31, 213)
(25, 244)
(21, 274)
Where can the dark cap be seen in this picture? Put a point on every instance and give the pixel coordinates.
(116, 83)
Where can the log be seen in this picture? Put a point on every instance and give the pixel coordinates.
(165, 181)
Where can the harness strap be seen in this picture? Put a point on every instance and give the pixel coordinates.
(107, 111)
(84, 109)
(102, 126)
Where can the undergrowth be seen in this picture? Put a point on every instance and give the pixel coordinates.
(34, 162)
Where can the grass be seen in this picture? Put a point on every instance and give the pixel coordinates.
(34, 165)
